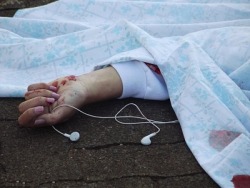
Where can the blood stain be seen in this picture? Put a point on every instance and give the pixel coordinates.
(71, 77)
(63, 82)
(241, 181)
(219, 139)
(55, 83)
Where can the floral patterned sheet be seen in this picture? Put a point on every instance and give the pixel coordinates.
(201, 47)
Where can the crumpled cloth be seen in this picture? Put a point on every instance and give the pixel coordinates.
(201, 47)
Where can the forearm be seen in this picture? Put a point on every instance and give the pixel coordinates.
(104, 84)
(127, 79)
(101, 85)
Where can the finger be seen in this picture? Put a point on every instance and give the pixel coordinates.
(37, 101)
(29, 116)
(58, 116)
(42, 86)
(42, 93)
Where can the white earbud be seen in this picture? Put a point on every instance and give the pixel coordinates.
(75, 136)
(146, 140)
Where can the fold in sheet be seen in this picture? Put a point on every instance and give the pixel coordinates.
(201, 47)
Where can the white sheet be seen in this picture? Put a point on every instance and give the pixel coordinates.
(201, 47)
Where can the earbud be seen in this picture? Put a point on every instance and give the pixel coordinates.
(75, 136)
(146, 140)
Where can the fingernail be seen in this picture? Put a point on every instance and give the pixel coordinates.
(55, 95)
(39, 109)
(39, 122)
(52, 88)
(50, 100)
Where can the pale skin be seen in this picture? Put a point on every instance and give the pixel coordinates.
(42, 98)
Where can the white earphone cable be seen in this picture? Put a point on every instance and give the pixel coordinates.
(145, 141)
(120, 117)
(144, 117)
(57, 130)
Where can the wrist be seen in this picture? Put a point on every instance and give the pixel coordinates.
(101, 85)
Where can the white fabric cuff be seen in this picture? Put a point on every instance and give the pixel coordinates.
(139, 81)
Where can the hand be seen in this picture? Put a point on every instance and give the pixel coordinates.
(42, 98)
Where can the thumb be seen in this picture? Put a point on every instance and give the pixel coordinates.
(58, 115)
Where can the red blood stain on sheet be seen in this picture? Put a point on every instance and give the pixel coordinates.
(71, 77)
(219, 139)
(241, 181)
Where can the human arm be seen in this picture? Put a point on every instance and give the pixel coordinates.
(122, 80)
(77, 91)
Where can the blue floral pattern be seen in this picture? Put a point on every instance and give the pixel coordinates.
(202, 48)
